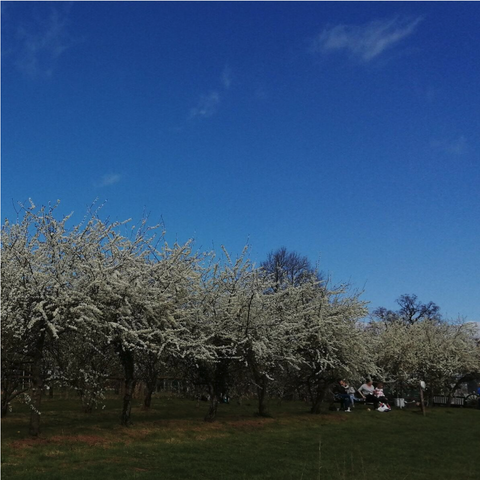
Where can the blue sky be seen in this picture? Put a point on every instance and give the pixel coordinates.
(346, 131)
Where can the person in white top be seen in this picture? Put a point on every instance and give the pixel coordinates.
(366, 390)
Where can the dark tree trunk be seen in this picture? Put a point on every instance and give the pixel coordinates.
(316, 405)
(150, 367)
(150, 385)
(318, 395)
(6, 391)
(37, 386)
(212, 409)
(127, 359)
(262, 406)
(216, 379)
(261, 386)
(261, 382)
(147, 402)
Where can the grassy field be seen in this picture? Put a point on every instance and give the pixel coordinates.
(171, 441)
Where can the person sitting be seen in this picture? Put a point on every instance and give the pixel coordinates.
(340, 390)
(379, 395)
(351, 391)
(366, 391)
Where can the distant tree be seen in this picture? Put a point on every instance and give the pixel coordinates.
(288, 268)
(410, 312)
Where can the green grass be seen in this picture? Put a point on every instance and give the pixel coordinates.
(171, 441)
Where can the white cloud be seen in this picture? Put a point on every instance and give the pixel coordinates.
(39, 45)
(109, 179)
(456, 146)
(365, 42)
(206, 106)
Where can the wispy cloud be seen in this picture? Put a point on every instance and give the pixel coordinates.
(109, 179)
(208, 103)
(457, 146)
(206, 106)
(40, 43)
(365, 42)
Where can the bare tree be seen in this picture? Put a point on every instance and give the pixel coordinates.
(410, 312)
(288, 268)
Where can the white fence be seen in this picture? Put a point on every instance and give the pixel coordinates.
(443, 400)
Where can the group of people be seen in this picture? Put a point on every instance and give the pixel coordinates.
(367, 391)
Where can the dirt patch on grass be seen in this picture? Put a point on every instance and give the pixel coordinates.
(28, 442)
(89, 440)
(173, 431)
(219, 424)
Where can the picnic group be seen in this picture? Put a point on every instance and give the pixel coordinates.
(368, 394)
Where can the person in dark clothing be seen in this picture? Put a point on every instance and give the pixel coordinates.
(340, 390)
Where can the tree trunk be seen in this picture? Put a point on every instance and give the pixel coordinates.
(151, 381)
(262, 395)
(316, 392)
(262, 406)
(261, 385)
(5, 396)
(422, 402)
(212, 410)
(316, 407)
(37, 387)
(127, 359)
(149, 390)
(318, 395)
